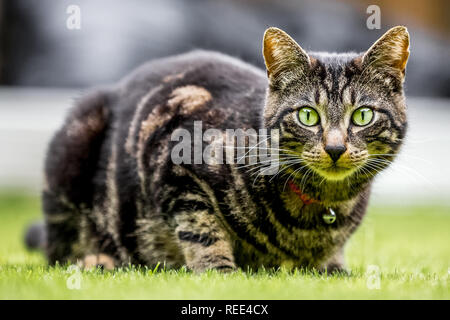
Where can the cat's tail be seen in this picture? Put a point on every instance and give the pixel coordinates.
(36, 236)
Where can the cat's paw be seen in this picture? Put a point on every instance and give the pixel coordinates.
(335, 269)
(97, 261)
(225, 269)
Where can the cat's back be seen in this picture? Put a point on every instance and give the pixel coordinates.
(205, 64)
(200, 81)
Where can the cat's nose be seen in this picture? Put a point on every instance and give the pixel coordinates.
(335, 151)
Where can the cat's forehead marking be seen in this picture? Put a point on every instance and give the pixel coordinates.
(334, 92)
(335, 72)
(336, 83)
(331, 85)
(348, 96)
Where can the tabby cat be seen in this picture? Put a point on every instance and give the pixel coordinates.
(113, 194)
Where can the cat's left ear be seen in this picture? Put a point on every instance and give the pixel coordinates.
(282, 55)
(389, 53)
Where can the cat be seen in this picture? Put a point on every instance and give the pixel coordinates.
(113, 194)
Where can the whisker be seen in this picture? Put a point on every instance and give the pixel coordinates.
(269, 160)
(279, 164)
(304, 178)
(253, 147)
(290, 162)
(400, 155)
(407, 170)
(285, 171)
(293, 173)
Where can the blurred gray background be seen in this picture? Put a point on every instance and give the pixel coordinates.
(44, 65)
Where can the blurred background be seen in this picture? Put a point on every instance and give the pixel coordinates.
(44, 65)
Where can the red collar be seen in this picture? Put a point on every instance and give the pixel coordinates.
(304, 197)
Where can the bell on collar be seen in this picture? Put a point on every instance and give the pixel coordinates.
(329, 217)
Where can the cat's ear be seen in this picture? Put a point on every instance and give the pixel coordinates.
(389, 53)
(282, 54)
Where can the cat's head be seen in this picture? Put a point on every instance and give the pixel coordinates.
(341, 114)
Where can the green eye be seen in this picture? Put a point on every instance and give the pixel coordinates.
(308, 116)
(362, 116)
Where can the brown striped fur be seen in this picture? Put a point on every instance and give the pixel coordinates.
(113, 196)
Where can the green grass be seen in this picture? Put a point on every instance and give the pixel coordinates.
(410, 246)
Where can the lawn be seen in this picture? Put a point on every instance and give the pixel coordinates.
(400, 252)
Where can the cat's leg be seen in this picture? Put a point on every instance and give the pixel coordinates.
(204, 242)
(62, 221)
(69, 169)
(335, 264)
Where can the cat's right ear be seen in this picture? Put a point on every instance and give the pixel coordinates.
(389, 53)
(282, 55)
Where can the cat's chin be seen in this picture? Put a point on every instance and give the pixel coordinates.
(335, 173)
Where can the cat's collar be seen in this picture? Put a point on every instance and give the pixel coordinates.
(329, 216)
(303, 196)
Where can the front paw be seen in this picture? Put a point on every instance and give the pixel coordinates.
(225, 269)
(99, 261)
(335, 269)
(222, 264)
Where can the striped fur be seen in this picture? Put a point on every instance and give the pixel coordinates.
(113, 192)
